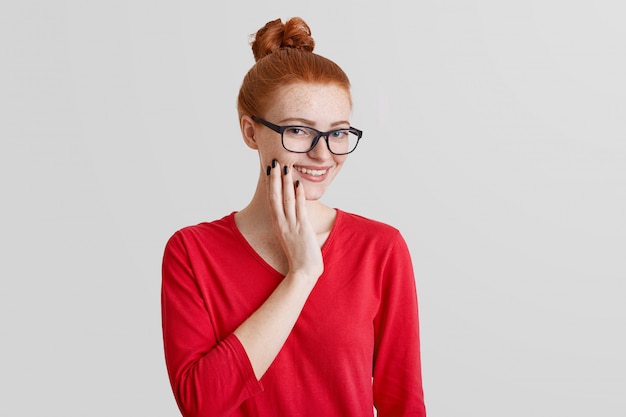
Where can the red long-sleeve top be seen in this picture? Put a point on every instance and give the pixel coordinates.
(355, 345)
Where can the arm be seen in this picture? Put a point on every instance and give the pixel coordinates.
(265, 332)
(211, 377)
(397, 364)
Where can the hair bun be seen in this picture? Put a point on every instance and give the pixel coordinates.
(275, 35)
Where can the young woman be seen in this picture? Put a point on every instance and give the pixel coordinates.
(289, 307)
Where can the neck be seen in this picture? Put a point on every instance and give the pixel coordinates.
(256, 215)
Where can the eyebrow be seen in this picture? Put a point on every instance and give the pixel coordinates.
(311, 123)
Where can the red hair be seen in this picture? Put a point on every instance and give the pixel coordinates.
(284, 55)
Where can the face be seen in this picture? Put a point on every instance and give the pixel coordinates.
(321, 106)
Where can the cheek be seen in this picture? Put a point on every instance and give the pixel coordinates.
(337, 169)
(340, 161)
(271, 148)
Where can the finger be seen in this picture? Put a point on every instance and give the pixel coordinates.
(301, 212)
(289, 195)
(275, 191)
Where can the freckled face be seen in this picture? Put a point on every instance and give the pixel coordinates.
(324, 107)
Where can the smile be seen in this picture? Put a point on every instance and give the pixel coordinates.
(313, 172)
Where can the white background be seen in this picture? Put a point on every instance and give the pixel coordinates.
(495, 140)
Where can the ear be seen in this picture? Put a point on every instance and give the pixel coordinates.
(247, 126)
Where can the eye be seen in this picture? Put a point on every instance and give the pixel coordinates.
(338, 134)
(296, 131)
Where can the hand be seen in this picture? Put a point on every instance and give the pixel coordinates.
(291, 223)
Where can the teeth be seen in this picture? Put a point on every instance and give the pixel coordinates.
(313, 172)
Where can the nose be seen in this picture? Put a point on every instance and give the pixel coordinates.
(320, 150)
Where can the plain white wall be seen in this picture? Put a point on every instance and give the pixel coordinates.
(495, 140)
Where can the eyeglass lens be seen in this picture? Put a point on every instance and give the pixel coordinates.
(300, 139)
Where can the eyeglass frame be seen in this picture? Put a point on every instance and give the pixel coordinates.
(281, 129)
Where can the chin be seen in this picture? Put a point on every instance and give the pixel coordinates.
(313, 195)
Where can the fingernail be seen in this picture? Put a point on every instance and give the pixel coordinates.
(267, 171)
(285, 170)
(274, 163)
(297, 183)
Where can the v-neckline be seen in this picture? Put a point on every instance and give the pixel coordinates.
(325, 246)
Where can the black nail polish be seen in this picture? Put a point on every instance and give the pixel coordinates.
(274, 163)
(285, 170)
(267, 171)
(297, 183)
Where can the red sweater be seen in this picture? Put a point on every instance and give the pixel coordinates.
(354, 346)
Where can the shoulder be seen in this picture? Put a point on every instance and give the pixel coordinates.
(202, 233)
(375, 244)
(366, 226)
(355, 230)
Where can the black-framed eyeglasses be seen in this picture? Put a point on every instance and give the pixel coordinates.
(302, 139)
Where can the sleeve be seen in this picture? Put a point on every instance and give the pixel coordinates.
(209, 377)
(397, 381)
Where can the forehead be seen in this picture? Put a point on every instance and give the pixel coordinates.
(319, 102)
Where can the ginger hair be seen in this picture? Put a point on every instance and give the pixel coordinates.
(284, 55)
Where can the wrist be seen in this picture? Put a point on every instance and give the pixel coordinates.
(302, 277)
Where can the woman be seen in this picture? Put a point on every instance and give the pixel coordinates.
(289, 307)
